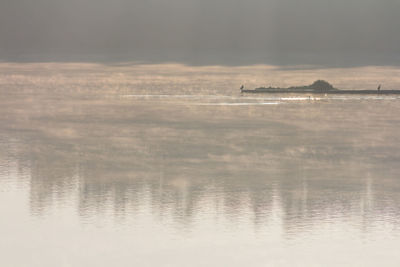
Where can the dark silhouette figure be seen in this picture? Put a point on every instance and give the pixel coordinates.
(241, 88)
(379, 88)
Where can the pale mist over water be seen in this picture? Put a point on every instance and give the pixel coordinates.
(168, 165)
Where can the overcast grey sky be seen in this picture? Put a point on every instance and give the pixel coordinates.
(232, 32)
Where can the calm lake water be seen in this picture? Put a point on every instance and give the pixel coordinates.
(168, 165)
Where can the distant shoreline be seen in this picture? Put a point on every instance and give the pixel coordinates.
(337, 92)
(319, 87)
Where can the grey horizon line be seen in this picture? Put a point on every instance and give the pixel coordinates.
(128, 62)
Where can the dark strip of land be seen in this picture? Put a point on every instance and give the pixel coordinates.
(339, 92)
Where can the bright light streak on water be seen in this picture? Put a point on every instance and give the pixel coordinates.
(238, 104)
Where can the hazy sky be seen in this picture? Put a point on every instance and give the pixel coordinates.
(233, 32)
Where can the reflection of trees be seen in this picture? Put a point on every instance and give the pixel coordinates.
(120, 157)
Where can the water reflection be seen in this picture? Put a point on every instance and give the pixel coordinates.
(297, 164)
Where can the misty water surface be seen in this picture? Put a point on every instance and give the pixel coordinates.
(168, 165)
